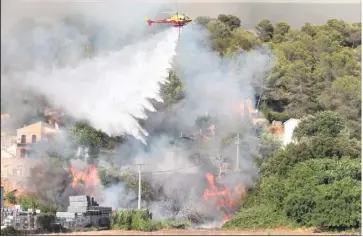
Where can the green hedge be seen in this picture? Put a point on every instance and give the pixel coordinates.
(141, 220)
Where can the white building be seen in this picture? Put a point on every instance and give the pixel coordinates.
(289, 127)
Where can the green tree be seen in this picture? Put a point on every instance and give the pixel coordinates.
(316, 69)
(85, 135)
(173, 91)
(326, 123)
(230, 20)
(354, 35)
(309, 29)
(319, 190)
(265, 30)
(242, 39)
(280, 30)
(344, 96)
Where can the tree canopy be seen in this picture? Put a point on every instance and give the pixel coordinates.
(316, 77)
(316, 67)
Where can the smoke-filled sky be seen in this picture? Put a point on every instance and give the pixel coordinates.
(43, 55)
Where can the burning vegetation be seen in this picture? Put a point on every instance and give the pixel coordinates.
(222, 198)
(87, 177)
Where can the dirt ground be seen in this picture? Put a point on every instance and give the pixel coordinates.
(202, 232)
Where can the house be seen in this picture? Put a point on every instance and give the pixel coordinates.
(289, 127)
(33, 133)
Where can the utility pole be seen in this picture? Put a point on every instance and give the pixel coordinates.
(139, 199)
(237, 152)
(220, 160)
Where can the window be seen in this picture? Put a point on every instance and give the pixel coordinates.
(5, 171)
(18, 171)
(23, 139)
(34, 138)
(22, 153)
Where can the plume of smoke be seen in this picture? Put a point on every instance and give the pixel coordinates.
(217, 86)
(44, 63)
(116, 196)
(110, 91)
(212, 85)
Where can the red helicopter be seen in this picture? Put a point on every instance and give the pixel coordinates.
(176, 20)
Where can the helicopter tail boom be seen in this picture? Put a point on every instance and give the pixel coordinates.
(149, 22)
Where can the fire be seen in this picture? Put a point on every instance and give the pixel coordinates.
(221, 198)
(87, 177)
(246, 104)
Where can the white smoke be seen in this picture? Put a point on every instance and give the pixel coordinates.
(110, 91)
(43, 51)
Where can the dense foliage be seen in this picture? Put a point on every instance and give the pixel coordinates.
(316, 77)
(132, 219)
(31, 202)
(314, 182)
(316, 68)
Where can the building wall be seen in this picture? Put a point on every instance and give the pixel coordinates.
(9, 152)
(12, 168)
(7, 140)
(289, 127)
(28, 132)
(31, 134)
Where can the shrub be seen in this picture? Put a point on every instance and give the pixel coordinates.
(142, 220)
(11, 197)
(257, 217)
(10, 231)
(134, 220)
(31, 202)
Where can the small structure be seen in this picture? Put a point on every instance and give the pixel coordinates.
(83, 211)
(289, 127)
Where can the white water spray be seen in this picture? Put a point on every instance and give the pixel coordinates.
(111, 91)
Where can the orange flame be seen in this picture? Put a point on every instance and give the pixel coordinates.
(248, 105)
(87, 177)
(222, 198)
